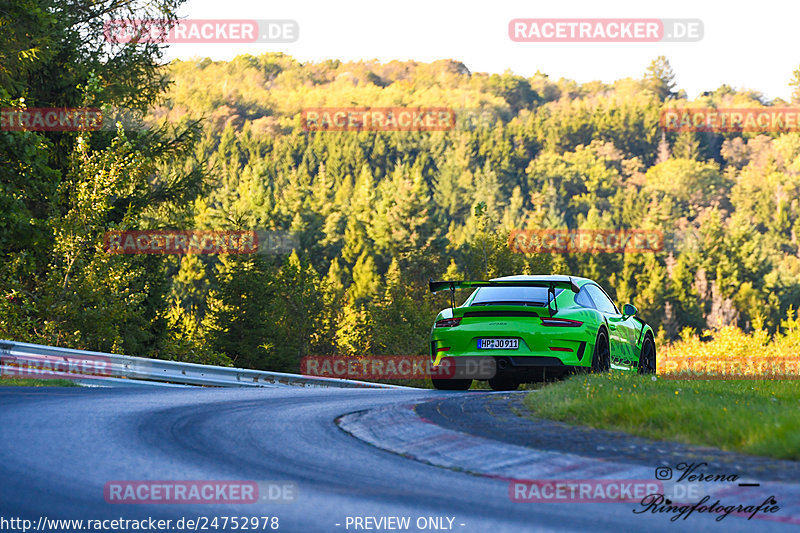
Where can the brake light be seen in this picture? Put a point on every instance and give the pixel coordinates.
(448, 322)
(561, 322)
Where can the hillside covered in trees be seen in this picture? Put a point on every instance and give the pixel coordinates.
(376, 214)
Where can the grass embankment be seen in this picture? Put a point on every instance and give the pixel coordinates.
(754, 416)
(750, 416)
(23, 382)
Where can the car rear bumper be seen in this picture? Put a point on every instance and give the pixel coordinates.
(567, 352)
(521, 368)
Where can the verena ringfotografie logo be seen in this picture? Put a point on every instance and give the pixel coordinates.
(182, 242)
(562, 241)
(709, 119)
(605, 30)
(199, 492)
(201, 31)
(378, 119)
(694, 476)
(54, 366)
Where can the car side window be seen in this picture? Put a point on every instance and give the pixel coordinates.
(583, 299)
(602, 301)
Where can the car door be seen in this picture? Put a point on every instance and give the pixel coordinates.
(630, 329)
(616, 329)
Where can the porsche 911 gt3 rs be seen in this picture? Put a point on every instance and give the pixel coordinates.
(531, 328)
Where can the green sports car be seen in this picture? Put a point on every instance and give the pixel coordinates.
(519, 329)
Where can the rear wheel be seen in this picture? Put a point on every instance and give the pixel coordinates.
(601, 358)
(647, 360)
(451, 384)
(503, 384)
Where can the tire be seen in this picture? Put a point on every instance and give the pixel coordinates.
(451, 384)
(504, 384)
(647, 359)
(601, 357)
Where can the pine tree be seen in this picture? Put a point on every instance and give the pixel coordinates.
(660, 78)
(366, 281)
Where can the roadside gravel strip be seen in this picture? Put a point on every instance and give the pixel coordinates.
(485, 435)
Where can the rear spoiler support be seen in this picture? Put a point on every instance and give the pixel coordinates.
(552, 291)
(436, 286)
(452, 295)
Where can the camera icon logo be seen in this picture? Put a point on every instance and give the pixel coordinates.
(663, 473)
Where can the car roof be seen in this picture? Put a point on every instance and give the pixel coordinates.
(552, 277)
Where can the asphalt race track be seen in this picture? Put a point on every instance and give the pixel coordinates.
(60, 447)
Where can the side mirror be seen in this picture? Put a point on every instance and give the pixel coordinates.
(629, 310)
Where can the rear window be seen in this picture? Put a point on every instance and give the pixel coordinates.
(536, 296)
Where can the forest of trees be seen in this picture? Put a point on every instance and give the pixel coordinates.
(376, 214)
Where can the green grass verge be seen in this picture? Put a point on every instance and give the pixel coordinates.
(21, 382)
(756, 417)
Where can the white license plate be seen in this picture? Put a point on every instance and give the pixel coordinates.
(498, 344)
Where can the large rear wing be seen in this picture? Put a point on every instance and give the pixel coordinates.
(551, 284)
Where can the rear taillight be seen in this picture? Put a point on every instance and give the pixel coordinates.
(448, 322)
(561, 322)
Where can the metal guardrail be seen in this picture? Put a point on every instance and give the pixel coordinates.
(24, 360)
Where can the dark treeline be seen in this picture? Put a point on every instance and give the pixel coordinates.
(376, 214)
